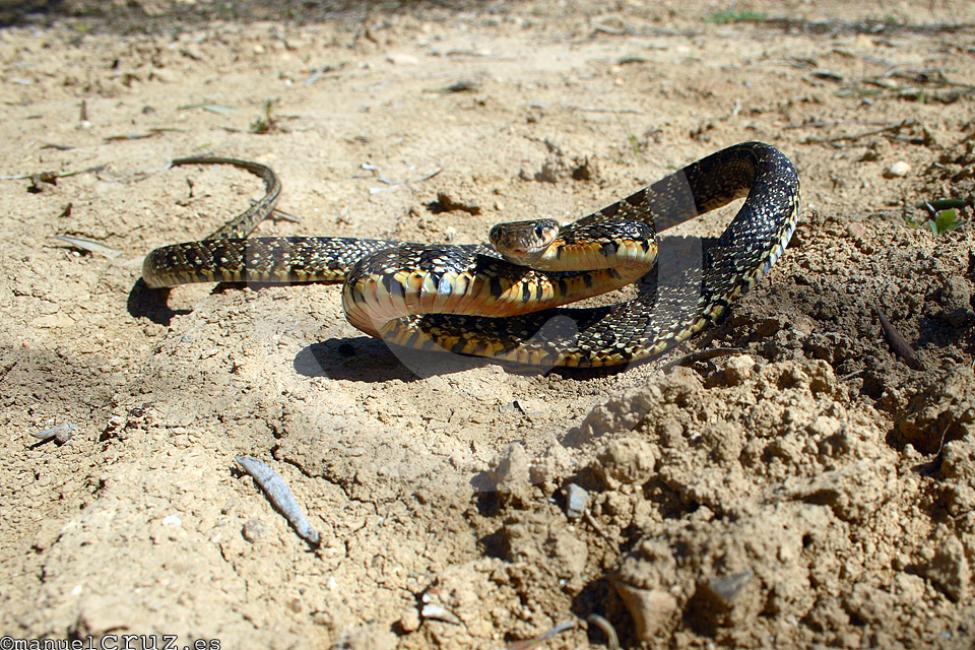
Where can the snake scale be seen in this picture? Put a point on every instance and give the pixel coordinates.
(501, 301)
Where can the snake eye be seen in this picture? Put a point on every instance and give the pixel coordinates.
(539, 231)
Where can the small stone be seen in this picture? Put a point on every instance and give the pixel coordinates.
(576, 500)
(738, 369)
(650, 609)
(402, 59)
(436, 612)
(410, 620)
(727, 588)
(512, 477)
(722, 602)
(897, 170)
(532, 407)
(253, 530)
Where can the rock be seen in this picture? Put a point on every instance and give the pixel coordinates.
(718, 602)
(652, 610)
(436, 612)
(738, 369)
(253, 530)
(725, 589)
(512, 476)
(897, 170)
(410, 620)
(400, 58)
(576, 500)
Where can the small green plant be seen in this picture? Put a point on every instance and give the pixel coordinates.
(736, 16)
(944, 221)
(265, 123)
(635, 145)
(943, 216)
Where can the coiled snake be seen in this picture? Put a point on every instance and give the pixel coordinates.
(500, 301)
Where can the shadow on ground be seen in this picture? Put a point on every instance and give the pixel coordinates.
(133, 17)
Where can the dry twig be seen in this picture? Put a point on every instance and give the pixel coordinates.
(898, 344)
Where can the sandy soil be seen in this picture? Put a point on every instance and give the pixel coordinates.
(807, 489)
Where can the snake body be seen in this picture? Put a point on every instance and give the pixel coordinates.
(484, 301)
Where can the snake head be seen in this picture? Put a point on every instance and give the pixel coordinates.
(522, 242)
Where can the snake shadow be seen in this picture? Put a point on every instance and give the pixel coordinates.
(365, 359)
(151, 304)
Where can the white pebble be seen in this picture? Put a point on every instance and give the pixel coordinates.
(898, 169)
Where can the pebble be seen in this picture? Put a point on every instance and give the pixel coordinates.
(437, 612)
(727, 588)
(650, 609)
(410, 620)
(738, 369)
(253, 530)
(576, 500)
(402, 59)
(897, 170)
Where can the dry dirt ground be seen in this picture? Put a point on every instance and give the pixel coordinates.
(806, 489)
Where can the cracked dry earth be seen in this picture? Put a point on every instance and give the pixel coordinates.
(805, 488)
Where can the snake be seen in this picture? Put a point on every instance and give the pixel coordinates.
(507, 300)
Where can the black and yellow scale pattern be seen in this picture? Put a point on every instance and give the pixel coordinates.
(469, 300)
